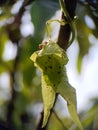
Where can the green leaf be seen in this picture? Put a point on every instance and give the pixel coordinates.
(3, 39)
(48, 93)
(69, 94)
(44, 11)
(51, 61)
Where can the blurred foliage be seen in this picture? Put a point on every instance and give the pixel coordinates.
(20, 91)
(86, 9)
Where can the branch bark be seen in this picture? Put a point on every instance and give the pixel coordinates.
(64, 32)
(16, 39)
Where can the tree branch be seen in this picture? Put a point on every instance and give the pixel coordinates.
(65, 30)
(10, 107)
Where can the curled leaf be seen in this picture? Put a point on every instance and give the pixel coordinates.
(51, 61)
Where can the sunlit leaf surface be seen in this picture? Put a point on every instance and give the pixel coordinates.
(51, 60)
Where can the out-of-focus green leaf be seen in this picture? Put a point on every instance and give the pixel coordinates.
(28, 73)
(91, 9)
(85, 8)
(88, 117)
(83, 32)
(44, 10)
(3, 39)
(6, 66)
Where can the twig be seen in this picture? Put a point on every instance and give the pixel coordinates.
(17, 40)
(13, 92)
(65, 30)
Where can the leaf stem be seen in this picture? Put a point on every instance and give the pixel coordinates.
(62, 22)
